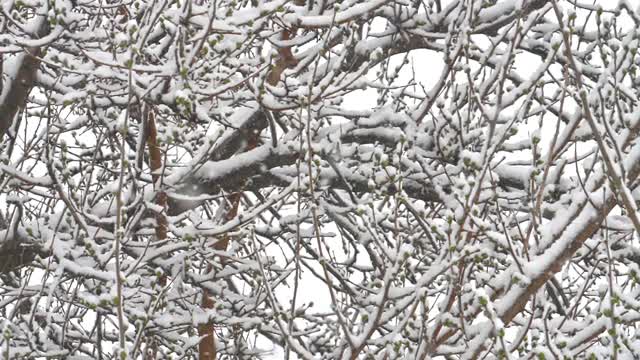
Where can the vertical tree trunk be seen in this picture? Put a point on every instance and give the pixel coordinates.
(155, 164)
(207, 347)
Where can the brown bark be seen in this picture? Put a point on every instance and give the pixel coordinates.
(285, 59)
(155, 165)
(207, 346)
